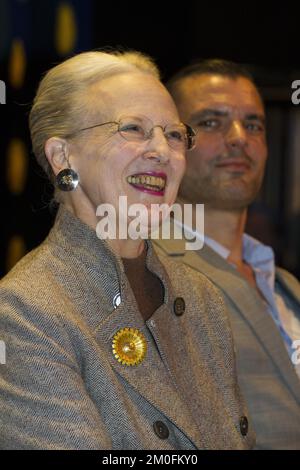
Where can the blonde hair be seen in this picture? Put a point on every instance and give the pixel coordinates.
(58, 96)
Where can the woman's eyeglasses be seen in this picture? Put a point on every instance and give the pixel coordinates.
(179, 136)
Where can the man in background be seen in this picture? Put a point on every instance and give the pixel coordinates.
(224, 172)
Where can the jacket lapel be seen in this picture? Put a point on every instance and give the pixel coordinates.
(150, 378)
(246, 301)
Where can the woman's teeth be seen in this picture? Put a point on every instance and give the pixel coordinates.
(149, 182)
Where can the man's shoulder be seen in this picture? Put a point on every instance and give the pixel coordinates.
(288, 281)
(199, 260)
(283, 273)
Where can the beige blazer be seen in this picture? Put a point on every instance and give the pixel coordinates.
(62, 387)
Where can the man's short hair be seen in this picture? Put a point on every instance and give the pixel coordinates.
(222, 67)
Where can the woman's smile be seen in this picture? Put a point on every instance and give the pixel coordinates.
(150, 182)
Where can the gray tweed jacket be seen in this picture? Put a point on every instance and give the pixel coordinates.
(267, 377)
(61, 386)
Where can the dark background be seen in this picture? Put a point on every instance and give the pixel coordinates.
(173, 34)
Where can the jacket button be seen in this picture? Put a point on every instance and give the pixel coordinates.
(244, 426)
(179, 306)
(161, 430)
(117, 300)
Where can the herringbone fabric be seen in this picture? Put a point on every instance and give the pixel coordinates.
(267, 377)
(62, 388)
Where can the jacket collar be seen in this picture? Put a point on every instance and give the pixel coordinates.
(79, 240)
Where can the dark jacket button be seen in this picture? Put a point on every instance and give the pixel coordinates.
(179, 306)
(161, 430)
(244, 426)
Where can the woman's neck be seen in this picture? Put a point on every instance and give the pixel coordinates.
(125, 248)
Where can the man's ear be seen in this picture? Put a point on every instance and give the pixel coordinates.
(56, 151)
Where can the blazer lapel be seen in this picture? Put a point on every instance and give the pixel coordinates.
(150, 378)
(246, 300)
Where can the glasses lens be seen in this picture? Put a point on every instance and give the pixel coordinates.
(176, 135)
(132, 129)
(191, 137)
(180, 136)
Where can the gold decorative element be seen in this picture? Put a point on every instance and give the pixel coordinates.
(65, 29)
(15, 251)
(129, 346)
(17, 64)
(17, 166)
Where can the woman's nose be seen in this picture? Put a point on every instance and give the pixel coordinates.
(158, 148)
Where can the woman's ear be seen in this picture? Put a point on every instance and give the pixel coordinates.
(56, 151)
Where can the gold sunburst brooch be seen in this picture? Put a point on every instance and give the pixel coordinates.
(129, 346)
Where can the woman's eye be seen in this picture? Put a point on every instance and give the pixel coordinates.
(175, 135)
(134, 128)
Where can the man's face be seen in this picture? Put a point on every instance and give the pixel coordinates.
(226, 168)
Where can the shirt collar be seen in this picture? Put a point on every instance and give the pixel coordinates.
(259, 256)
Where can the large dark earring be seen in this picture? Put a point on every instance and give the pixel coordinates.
(67, 179)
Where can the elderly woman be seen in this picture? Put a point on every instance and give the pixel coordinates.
(109, 347)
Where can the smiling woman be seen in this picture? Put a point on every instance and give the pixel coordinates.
(108, 345)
